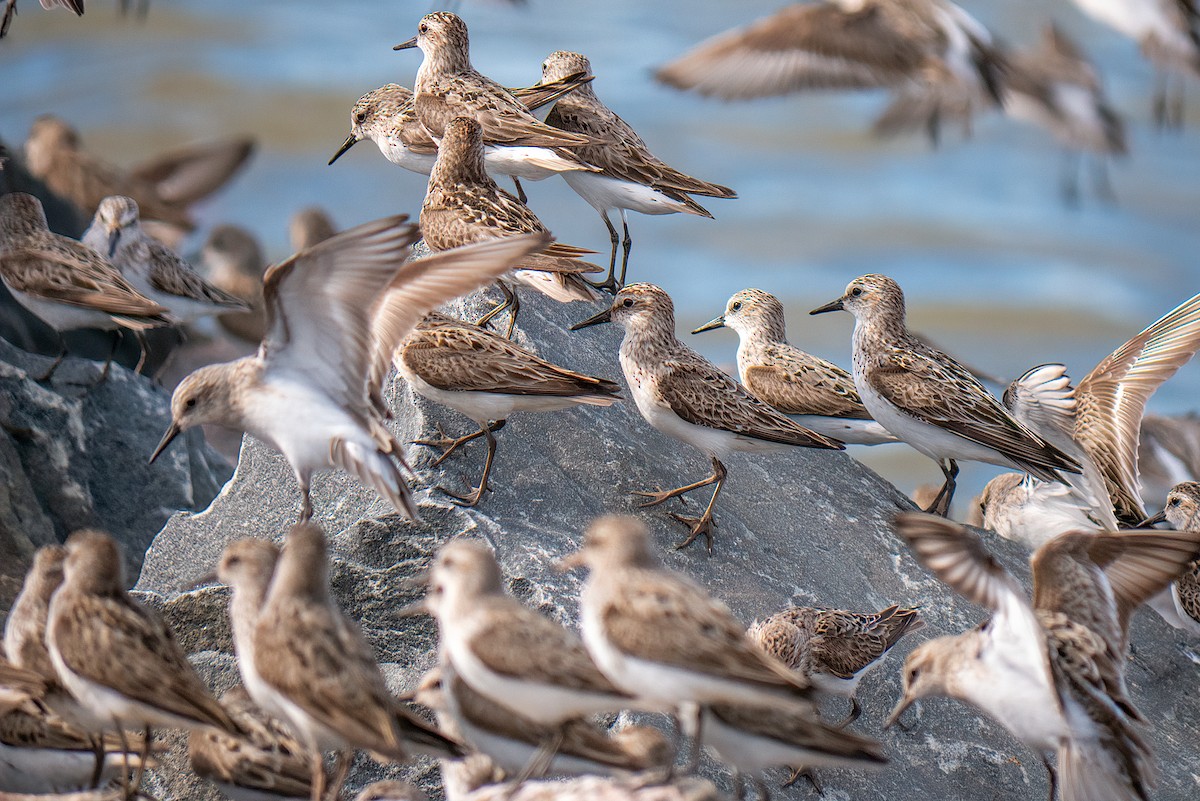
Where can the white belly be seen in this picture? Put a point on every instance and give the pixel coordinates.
(301, 423)
(752, 754)
(849, 430)
(399, 154)
(61, 316)
(1021, 700)
(1037, 511)
(109, 705)
(603, 193)
(529, 163)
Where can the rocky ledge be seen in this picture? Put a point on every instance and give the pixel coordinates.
(806, 527)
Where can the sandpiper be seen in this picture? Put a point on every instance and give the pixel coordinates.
(938, 56)
(464, 205)
(164, 186)
(1053, 86)
(10, 11)
(119, 660)
(929, 400)
(334, 312)
(516, 744)
(234, 263)
(447, 86)
(151, 267)
(246, 567)
(310, 226)
(1051, 670)
(631, 178)
(659, 636)
(25, 628)
(64, 283)
(1099, 424)
(265, 763)
(1181, 605)
(486, 378)
(683, 395)
(388, 117)
(41, 754)
(1166, 32)
(838, 646)
(315, 671)
(815, 393)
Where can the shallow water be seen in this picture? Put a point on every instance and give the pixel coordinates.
(995, 268)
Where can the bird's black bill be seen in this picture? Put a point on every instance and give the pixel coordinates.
(350, 142)
(409, 45)
(596, 319)
(716, 322)
(173, 431)
(113, 238)
(835, 305)
(1150, 521)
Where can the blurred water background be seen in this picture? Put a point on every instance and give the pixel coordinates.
(995, 267)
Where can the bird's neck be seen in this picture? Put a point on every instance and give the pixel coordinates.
(441, 62)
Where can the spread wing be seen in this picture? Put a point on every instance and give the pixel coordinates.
(188, 174)
(704, 396)
(319, 306)
(1112, 400)
(803, 46)
(426, 283)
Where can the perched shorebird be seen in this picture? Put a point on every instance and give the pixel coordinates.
(815, 393)
(314, 670)
(41, 754)
(1098, 423)
(929, 400)
(753, 739)
(118, 659)
(10, 11)
(838, 646)
(234, 263)
(25, 628)
(659, 636)
(683, 395)
(1051, 671)
(447, 86)
(164, 186)
(1168, 32)
(310, 227)
(266, 763)
(937, 56)
(631, 178)
(335, 315)
(246, 567)
(1054, 87)
(388, 117)
(153, 268)
(486, 378)
(64, 283)
(464, 205)
(1181, 605)
(516, 743)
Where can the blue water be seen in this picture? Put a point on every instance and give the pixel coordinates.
(996, 269)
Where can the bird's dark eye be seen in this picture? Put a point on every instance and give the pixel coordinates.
(627, 302)
(423, 27)
(736, 306)
(1173, 502)
(359, 116)
(190, 402)
(854, 293)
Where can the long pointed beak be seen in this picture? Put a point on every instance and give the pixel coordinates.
(568, 563)
(1150, 521)
(409, 45)
(173, 431)
(350, 142)
(904, 704)
(716, 322)
(596, 319)
(833, 305)
(114, 236)
(207, 578)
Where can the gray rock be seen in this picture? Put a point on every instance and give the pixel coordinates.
(809, 527)
(73, 455)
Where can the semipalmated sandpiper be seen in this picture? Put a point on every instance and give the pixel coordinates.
(487, 378)
(234, 263)
(1180, 606)
(631, 178)
(815, 393)
(1051, 671)
(928, 399)
(683, 395)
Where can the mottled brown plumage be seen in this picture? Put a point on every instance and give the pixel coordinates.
(25, 628)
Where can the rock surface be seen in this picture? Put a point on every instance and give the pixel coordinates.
(808, 527)
(73, 455)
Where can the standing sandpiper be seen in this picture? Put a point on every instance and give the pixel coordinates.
(929, 400)
(815, 393)
(630, 177)
(683, 395)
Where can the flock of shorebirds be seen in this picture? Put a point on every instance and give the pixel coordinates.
(90, 671)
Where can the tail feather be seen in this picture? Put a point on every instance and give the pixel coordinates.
(563, 287)
(557, 264)
(1089, 772)
(375, 469)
